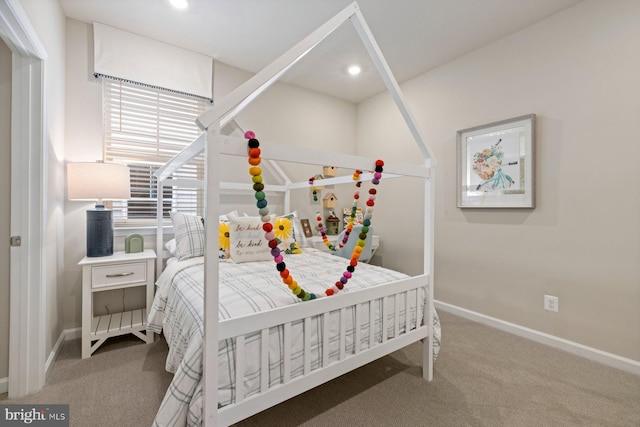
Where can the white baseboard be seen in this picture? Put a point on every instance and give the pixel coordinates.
(72, 334)
(53, 354)
(66, 335)
(609, 359)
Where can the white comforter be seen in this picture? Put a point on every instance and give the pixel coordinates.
(243, 289)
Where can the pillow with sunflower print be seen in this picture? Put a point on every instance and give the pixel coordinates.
(285, 231)
(223, 230)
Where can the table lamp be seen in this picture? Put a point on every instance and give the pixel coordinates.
(98, 181)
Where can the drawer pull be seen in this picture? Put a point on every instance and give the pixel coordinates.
(120, 274)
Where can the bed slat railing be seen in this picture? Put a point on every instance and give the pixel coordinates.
(406, 302)
(325, 339)
(287, 353)
(342, 342)
(357, 330)
(395, 316)
(372, 326)
(307, 345)
(407, 295)
(385, 318)
(240, 368)
(264, 358)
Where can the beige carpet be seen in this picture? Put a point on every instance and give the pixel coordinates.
(483, 377)
(122, 384)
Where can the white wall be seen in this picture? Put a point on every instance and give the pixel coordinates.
(83, 142)
(289, 115)
(579, 71)
(48, 20)
(284, 114)
(5, 200)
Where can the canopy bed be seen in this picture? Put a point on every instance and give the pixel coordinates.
(279, 331)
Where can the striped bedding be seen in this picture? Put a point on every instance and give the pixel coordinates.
(244, 289)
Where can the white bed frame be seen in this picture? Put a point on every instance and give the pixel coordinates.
(215, 144)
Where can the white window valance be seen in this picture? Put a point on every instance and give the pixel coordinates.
(129, 56)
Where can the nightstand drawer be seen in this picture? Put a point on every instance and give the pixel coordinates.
(110, 275)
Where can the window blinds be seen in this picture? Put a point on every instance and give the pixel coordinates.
(144, 127)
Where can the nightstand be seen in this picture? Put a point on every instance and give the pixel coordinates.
(118, 271)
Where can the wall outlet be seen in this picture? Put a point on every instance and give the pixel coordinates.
(551, 303)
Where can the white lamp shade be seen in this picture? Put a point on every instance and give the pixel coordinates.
(98, 181)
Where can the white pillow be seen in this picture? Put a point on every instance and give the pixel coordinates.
(170, 246)
(247, 242)
(189, 234)
(225, 217)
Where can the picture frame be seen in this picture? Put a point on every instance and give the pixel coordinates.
(306, 227)
(496, 164)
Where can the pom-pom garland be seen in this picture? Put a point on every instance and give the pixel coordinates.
(255, 171)
(354, 208)
(314, 190)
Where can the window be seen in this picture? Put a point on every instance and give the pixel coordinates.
(144, 127)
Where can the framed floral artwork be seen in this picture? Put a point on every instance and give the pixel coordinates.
(496, 164)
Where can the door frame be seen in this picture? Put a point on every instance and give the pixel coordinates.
(28, 201)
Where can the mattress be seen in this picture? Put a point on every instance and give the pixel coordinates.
(247, 288)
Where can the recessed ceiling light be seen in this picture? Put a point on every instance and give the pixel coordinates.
(179, 4)
(354, 70)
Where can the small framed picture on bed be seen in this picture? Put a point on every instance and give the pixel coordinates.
(496, 164)
(306, 227)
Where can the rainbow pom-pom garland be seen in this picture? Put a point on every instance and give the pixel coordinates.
(314, 190)
(255, 171)
(354, 209)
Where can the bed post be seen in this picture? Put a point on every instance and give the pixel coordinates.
(396, 94)
(159, 226)
(429, 211)
(210, 351)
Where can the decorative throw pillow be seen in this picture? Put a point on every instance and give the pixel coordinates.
(224, 238)
(223, 233)
(347, 249)
(170, 246)
(225, 217)
(246, 239)
(287, 233)
(189, 234)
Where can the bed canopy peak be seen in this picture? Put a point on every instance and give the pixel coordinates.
(225, 111)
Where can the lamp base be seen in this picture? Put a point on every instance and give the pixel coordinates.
(99, 232)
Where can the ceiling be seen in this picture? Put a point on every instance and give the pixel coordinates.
(413, 35)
